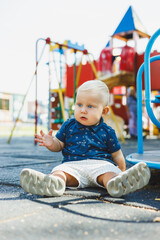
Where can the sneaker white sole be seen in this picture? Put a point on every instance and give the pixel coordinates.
(38, 183)
(129, 181)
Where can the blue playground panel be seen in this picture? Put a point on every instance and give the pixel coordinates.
(151, 158)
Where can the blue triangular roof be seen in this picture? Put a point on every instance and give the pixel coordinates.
(129, 23)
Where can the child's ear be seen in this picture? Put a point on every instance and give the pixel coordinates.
(105, 110)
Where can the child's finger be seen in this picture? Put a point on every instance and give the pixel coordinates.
(50, 132)
(42, 133)
(37, 140)
(41, 144)
(37, 136)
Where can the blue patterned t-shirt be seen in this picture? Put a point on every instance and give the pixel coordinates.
(87, 142)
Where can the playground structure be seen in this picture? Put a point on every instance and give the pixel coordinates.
(152, 158)
(119, 66)
(118, 71)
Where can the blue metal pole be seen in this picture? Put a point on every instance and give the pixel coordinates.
(139, 109)
(139, 103)
(147, 78)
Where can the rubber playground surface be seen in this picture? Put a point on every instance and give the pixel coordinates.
(78, 214)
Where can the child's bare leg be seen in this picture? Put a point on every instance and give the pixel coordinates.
(126, 182)
(69, 180)
(104, 178)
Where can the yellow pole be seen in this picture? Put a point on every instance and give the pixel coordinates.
(93, 67)
(115, 120)
(61, 101)
(79, 72)
(20, 110)
(14, 126)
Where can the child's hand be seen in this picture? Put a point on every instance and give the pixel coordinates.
(44, 139)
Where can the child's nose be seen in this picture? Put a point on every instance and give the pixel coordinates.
(83, 109)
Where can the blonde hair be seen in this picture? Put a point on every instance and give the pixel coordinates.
(98, 87)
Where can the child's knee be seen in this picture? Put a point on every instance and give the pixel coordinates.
(60, 174)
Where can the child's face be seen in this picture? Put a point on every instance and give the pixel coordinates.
(89, 108)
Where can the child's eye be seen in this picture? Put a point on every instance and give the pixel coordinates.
(90, 106)
(79, 105)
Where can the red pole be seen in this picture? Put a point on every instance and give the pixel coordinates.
(36, 101)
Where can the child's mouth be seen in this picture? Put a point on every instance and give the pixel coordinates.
(83, 118)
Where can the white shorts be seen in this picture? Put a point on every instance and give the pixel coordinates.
(87, 171)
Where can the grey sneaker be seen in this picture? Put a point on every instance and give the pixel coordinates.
(38, 183)
(129, 181)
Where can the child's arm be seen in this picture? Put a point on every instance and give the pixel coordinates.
(118, 158)
(53, 144)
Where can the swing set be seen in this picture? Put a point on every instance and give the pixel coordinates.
(61, 48)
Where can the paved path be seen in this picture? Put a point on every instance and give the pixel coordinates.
(78, 214)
